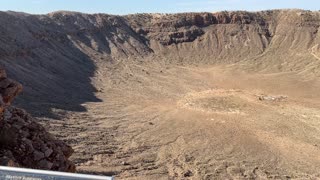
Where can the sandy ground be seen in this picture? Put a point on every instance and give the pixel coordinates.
(158, 122)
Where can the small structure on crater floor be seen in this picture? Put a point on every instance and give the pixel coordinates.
(278, 98)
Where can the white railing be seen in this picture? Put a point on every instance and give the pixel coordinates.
(12, 173)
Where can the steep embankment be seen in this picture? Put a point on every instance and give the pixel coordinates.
(225, 95)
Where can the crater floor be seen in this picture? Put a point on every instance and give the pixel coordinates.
(196, 122)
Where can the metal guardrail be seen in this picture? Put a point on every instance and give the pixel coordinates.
(12, 173)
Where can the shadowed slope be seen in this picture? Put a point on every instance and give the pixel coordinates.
(50, 55)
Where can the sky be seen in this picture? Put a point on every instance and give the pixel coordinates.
(121, 7)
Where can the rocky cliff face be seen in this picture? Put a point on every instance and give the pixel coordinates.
(23, 142)
(187, 27)
(279, 40)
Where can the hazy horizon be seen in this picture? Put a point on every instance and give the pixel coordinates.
(122, 7)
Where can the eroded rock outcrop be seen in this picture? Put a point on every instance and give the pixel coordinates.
(24, 142)
(186, 27)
